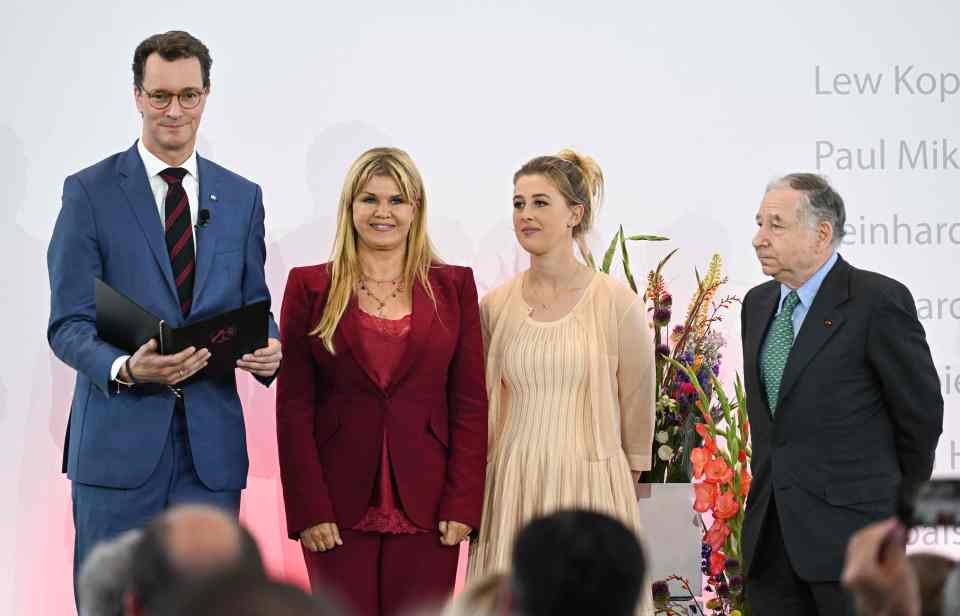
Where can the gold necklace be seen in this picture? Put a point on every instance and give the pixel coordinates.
(381, 302)
(544, 306)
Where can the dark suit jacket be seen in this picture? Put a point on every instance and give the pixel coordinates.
(859, 410)
(109, 227)
(331, 415)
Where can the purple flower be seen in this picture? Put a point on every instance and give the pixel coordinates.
(705, 551)
(736, 583)
(716, 413)
(666, 300)
(663, 349)
(703, 376)
(661, 317)
(661, 592)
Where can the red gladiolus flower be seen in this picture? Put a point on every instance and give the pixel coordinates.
(726, 506)
(687, 389)
(706, 495)
(743, 455)
(704, 433)
(718, 560)
(717, 535)
(718, 471)
(745, 480)
(699, 458)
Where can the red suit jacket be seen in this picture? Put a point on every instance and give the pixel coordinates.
(331, 415)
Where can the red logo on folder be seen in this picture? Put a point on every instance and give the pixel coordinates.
(224, 335)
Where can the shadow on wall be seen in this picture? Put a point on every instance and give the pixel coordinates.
(41, 534)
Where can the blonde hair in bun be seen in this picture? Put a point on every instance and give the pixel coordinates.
(576, 176)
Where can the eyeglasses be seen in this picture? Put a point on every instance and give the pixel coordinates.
(161, 99)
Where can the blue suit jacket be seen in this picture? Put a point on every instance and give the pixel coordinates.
(109, 228)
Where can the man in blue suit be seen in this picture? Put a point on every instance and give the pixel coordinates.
(184, 238)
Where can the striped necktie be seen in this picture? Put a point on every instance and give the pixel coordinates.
(179, 235)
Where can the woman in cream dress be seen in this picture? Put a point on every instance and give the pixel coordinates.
(570, 371)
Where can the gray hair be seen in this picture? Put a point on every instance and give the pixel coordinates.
(819, 202)
(105, 575)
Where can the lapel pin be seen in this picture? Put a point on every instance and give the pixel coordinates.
(213, 197)
(828, 323)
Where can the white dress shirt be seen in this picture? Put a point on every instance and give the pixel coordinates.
(191, 186)
(191, 183)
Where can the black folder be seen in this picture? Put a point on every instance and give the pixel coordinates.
(228, 336)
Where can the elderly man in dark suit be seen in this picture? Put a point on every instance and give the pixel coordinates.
(843, 398)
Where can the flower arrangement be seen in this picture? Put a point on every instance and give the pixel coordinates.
(700, 433)
(722, 467)
(722, 470)
(695, 345)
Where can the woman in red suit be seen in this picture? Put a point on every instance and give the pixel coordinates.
(381, 403)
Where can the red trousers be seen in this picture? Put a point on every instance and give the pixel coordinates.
(383, 574)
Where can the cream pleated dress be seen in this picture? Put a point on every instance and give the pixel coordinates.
(543, 454)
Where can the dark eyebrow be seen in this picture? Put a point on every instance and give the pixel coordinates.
(364, 193)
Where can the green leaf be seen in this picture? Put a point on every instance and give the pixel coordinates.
(626, 262)
(664, 260)
(647, 238)
(608, 256)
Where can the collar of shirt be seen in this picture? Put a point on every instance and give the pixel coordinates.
(808, 290)
(154, 165)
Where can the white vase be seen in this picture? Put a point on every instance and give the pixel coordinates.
(672, 533)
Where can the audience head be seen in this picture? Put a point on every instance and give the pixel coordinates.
(577, 562)
(236, 594)
(799, 224)
(105, 576)
(188, 543)
(383, 207)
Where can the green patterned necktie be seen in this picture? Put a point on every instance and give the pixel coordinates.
(776, 349)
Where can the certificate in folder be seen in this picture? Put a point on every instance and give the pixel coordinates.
(228, 336)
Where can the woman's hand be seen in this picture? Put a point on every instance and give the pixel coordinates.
(452, 533)
(636, 476)
(322, 537)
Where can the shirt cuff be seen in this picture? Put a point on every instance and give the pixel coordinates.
(117, 364)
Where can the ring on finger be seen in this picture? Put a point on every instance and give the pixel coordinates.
(180, 371)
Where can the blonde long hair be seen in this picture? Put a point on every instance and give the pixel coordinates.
(345, 272)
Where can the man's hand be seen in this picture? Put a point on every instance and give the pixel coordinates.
(452, 533)
(148, 366)
(877, 571)
(322, 537)
(262, 362)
